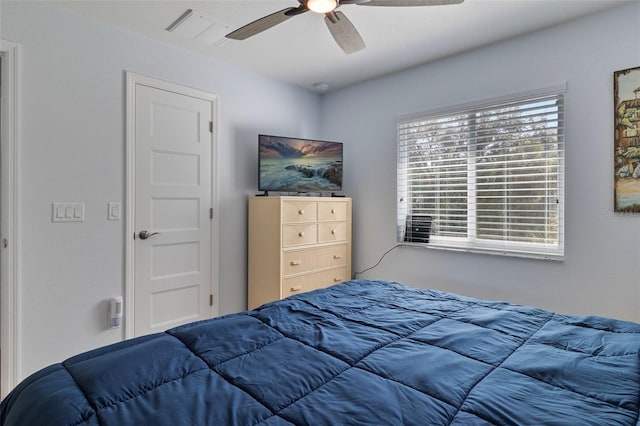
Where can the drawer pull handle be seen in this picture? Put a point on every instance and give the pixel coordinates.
(333, 211)
(301, 234)
(333, 232)
(337, 279)
(300, 211)
(296, 288)
(337, 256)
(295, 262)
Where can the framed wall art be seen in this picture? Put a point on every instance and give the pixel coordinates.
(626, 92)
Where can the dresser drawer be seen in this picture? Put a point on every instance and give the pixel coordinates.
(316, 280)
(295, 235)
(299, 211)
(332, 210)
(332, 231)
(300, 261)
(335, 256)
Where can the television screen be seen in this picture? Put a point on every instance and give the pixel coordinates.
(299, 165)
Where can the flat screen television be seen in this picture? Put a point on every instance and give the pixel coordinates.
(299, 165)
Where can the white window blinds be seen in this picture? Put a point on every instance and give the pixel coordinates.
(488, 176)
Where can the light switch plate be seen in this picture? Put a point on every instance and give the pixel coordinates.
(114, 211)
(67, 212)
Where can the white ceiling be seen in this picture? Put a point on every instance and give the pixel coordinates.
(301, 50)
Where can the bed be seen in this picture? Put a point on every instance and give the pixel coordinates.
(359, 353)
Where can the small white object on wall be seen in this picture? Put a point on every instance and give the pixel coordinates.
(115, 312)
(114, 211)
(67, 212)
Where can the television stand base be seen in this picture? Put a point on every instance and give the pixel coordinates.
(265, 194)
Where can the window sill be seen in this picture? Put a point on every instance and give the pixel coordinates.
(554, 256)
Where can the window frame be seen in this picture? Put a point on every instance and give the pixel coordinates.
(471, 243)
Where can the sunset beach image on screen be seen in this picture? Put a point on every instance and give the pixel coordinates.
(299, 165)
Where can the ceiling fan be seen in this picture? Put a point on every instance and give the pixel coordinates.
(342, 30)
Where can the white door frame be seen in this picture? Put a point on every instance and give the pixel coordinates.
(134, 79)
(10, 219)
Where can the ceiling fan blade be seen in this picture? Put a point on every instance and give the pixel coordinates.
(259, 25)
(343, 32)
(406, 3)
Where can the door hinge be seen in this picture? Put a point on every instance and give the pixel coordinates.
(211, 300)
(211, 213)
(211, 127)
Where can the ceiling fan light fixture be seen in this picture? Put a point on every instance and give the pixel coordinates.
(322, 6)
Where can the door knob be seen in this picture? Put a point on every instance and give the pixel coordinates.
(145, 234)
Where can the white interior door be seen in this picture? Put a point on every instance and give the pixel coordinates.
(173, 141)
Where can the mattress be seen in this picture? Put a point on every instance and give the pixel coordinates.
(359, 353)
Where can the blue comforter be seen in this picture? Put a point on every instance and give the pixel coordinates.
(359, 353)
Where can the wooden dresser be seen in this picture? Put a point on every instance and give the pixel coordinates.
(297, 244)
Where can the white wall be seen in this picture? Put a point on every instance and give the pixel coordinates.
(601, 271)
(73, 150)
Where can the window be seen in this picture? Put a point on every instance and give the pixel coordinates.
(489, 176)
